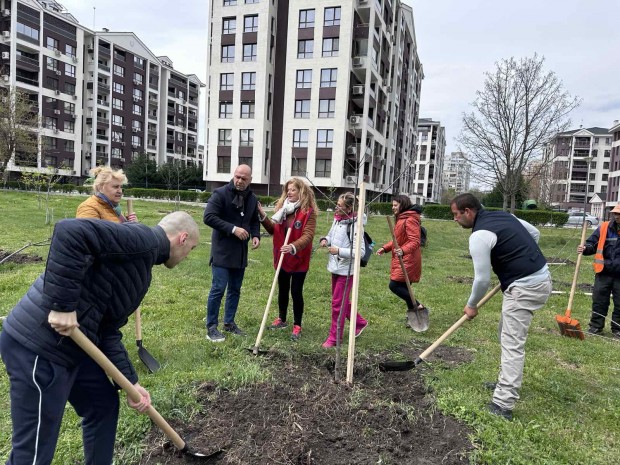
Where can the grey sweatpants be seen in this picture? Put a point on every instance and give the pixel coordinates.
(518, 307)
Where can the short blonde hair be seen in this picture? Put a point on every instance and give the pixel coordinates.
(105, 174)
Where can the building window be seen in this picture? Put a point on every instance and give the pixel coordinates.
(70, 50)
(229, 25)
(329, 77)
(118, 104)
(224, 137)
(226, 109)
(136, 125)
(327, 108)
(28, 31)
(118, 120)
(117, 136)
(119, 70)
(302, 108)
(247, 2)
(325, 138)
(230, 2)
(69, 108)
(69, 70)
(227, 81)
(300, 138)
(138, 94)
(69, 88)
(50, 123)
(298, 167)
(223, 164)
(118, 88)
(137, 109)
(246, 137)
(305, 48)
(228, 53)
(70, 127)
(322, 168)
(306, 18)
(250, 23)
(138, 62)
(136, 141)
(247, 110)
(52, 64)
(304, 78)
(248, 81)
(331, 46)
(332, 16)
(138, 78)
(249, 52)
(52, 43)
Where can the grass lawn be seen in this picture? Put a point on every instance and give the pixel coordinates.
(569, 410)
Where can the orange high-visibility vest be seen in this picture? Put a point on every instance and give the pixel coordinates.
(599, 262)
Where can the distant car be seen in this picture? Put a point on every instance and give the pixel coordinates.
(576, 219)
(196, 190)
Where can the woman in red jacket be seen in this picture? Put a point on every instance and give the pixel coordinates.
(407, 232)
(296, 209)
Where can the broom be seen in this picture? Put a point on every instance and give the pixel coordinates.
(569, 326)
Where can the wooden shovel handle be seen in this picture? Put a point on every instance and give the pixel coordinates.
(400, 260)
(99, 357)
(576, 273)
(130, 206)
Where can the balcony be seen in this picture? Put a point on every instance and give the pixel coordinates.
(103, 67)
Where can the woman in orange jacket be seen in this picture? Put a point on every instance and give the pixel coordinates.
(408, 236)
(104, 204)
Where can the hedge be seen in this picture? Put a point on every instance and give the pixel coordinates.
(535, 217)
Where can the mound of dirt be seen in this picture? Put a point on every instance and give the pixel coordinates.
(19, 258)
(303, 417)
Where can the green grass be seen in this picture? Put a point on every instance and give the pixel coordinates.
(569, 410)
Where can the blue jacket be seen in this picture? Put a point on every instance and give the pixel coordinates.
(101, 270)
(611, 249)
(227, 250)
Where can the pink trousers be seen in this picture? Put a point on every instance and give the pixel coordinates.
(338, 284)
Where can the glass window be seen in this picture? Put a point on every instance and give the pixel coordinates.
(138, 94)
(247, 109)
(136, 125)
(249, 52)
(52, 64)
(250, 23)
(138, 78)
(226, 109)
(137, 109)
(50, 123)
(118, 120)
(69, 108)
(306, 18)
(247, 2)
(332, 16)
(325, 138)
(136, 141)
(117, 136)
(51, 83)
(69, 70)
(327, 108)
(248, 81)
(302, 108)
(118, 104)
(227, 81)
(70, 127)
(298, 167)
(52, 43)
(70, 50)
(228, 53)
(119, 70)
(69, 146)
(230, 2)
(300, 138)
(69, 88)
(118, 87)
(28, 31)
(331, 46)
(223, 164)
(246, 137)
(138, 62)
(322, 168)
(304, 78)
(224, 137)
(305, 48)
(229, 25)
(329, 77)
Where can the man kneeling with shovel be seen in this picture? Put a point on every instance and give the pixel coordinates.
(510, 246)
(97, 274)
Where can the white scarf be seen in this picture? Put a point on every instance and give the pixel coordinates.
(287, 209)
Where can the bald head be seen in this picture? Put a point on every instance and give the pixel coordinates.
(178, 222)
(242, 177)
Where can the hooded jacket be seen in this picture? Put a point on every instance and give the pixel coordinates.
(407, 232)
(342, 234)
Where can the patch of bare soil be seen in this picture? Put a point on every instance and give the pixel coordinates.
(583, 287)
(557, 260)
(303, 417)
(461, 279)
(19, 258)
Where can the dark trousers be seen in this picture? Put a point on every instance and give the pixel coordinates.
(604, 286)
(400, 289)
(39, 391)
(293, 283)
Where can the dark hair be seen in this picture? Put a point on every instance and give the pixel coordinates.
(404, 202)
(466, 200)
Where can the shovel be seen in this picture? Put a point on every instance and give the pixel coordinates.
(93, 351)
(410, 364)
(149, 361)
(417, 318)
(255, 350)
(569, 326)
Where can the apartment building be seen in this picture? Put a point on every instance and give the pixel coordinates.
(613, 183)
(428, 176)
(579, 167)
(328, 90)
(103, 97)
(457, 172)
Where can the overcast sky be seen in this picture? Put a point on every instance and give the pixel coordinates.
(458, 40)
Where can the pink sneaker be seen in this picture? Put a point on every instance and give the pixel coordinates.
(328, 344)
(296, 333)
(360, 328)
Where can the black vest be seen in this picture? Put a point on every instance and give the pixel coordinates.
(516, 254)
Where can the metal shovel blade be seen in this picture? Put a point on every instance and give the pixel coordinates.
(149, 361)
(418, 319)
(194, 453)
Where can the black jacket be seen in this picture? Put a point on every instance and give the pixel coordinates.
(100, 269)
(227, 250)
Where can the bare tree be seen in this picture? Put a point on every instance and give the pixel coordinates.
(519, 109)
(19, 129)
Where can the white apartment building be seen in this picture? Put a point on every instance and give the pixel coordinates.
(569, 178)
(428, 176)
(457, 172)
(103, 97)
(327, 90)
(613, 184)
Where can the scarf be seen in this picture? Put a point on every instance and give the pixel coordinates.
(114, 206)
(345, 217)
(287, 209)
(239, 197)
